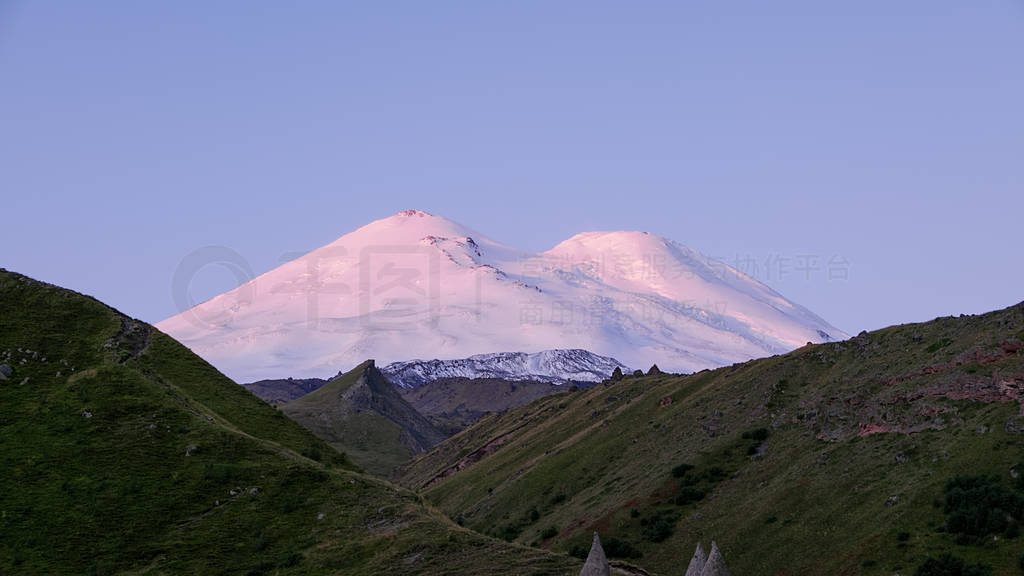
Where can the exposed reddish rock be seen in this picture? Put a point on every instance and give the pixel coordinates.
(867, 429)
(476, 456)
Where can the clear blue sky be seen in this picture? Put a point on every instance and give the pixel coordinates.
(887, 134)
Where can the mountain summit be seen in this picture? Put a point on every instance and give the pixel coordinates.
(416, 285)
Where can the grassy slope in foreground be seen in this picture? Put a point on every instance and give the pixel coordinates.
(862, 437)
(123, 452)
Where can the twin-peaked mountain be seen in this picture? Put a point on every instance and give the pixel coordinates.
(416, 285)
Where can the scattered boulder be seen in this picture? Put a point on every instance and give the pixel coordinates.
(616, 374)
(654, 371)
(6, 371)
(597, 562)
(1014, 426)
(892, 501)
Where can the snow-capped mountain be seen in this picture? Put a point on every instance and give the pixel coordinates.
(415, 285)
(551, 366)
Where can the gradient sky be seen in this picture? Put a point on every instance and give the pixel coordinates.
(886, 135)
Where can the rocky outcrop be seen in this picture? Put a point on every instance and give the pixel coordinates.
(131, 341)
(374, 392)
(597, 562)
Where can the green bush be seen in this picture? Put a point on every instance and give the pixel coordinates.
(659, 525)
(978, 506)
(549, 532)
(689, 494)
(716, 474)
(940, 344)
(681, 470)
(950, 565)
(615, 548)
(758, 434)
(509, 532)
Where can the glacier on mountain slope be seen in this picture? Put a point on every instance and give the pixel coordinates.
(551, 366)
(415, 285)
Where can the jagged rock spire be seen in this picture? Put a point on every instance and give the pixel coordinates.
(715, 566)
(700, 558)
(597, 563)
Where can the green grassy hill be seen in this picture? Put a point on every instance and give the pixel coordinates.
(360, 413)
(834, 459)
(121, 452)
